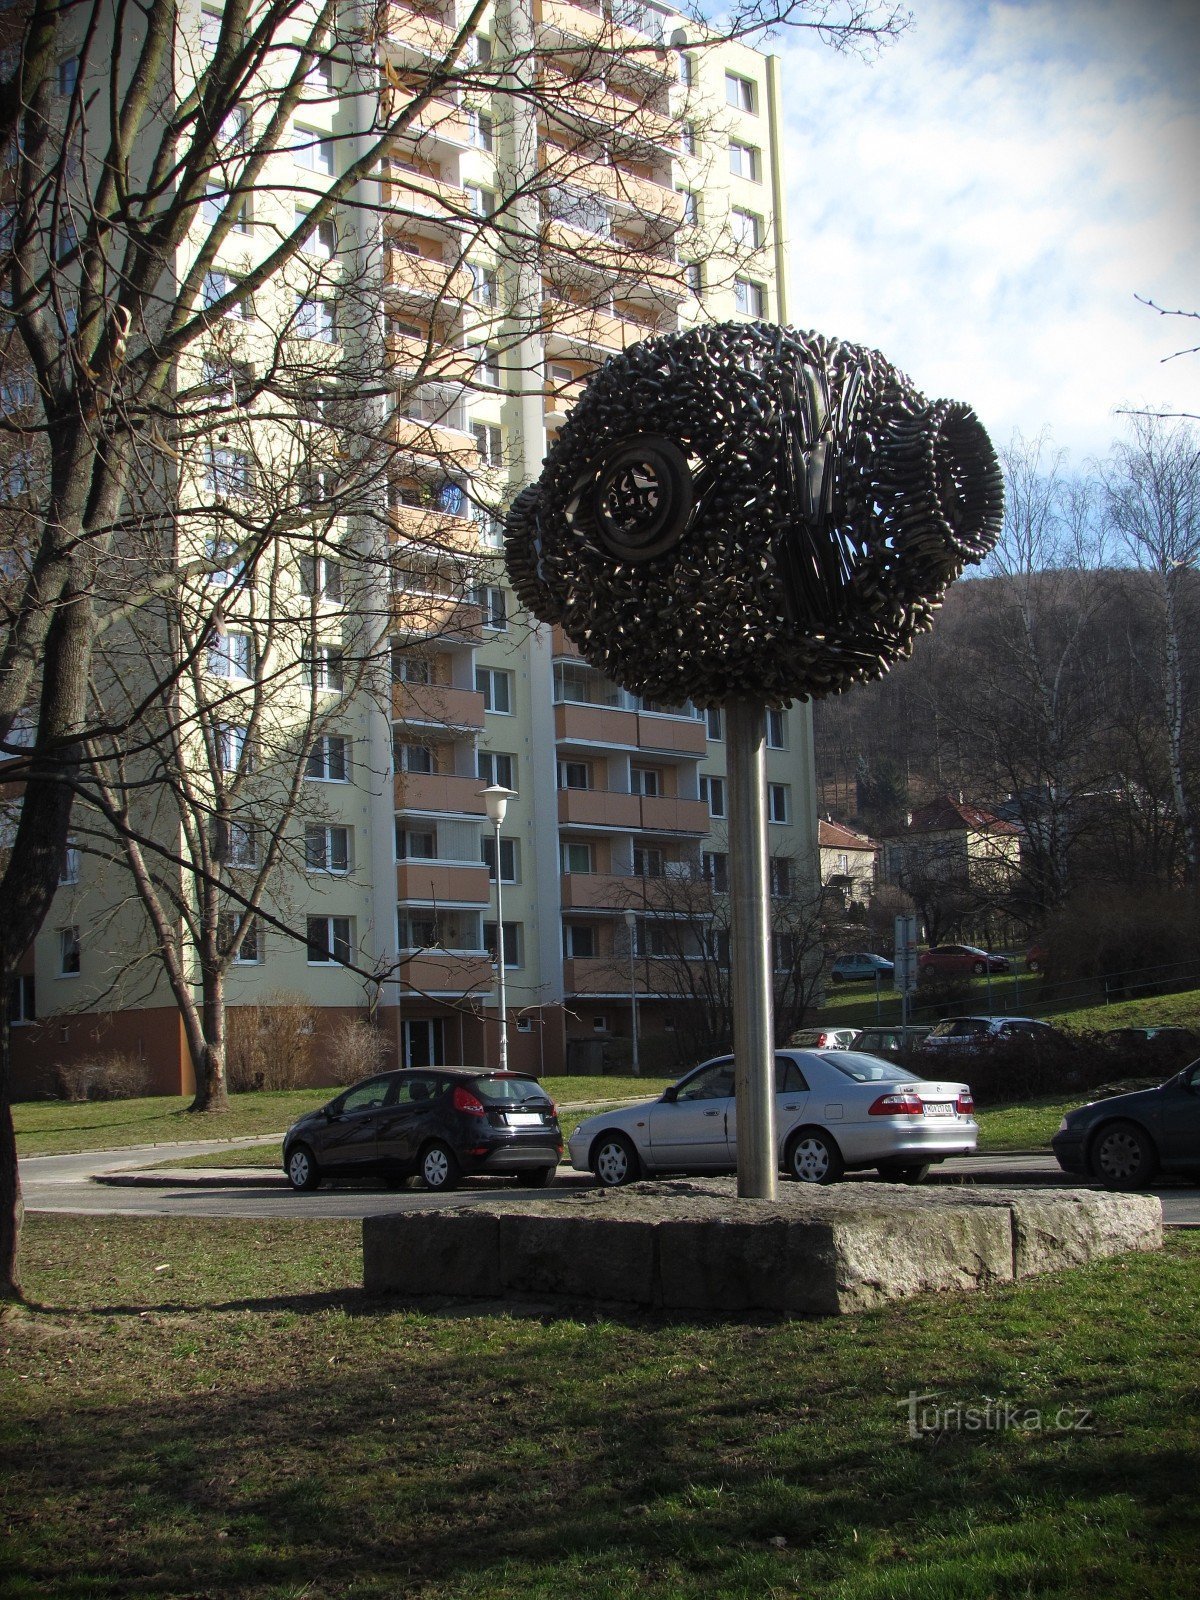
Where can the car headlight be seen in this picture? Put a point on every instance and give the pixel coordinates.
(1064, 1124)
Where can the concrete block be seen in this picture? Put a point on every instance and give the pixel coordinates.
(432, 1253)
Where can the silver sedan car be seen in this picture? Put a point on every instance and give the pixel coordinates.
(835, 1111)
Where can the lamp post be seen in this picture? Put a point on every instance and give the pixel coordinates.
(631, 924)
(496, 797)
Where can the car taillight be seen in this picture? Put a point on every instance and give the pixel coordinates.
(464, 1100)
(965, 1103)
(904, 1104)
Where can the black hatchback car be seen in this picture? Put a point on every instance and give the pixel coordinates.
(438, 1122)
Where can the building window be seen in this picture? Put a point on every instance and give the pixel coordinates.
(330, 940)
(22, 1006)
(409, 668)
(235, 843)
(513, 942)
(327, 668)
(68, 952)
(329, 759)
(749, 298)
(495, 768)
(496, 688)
(714, 723)
(714, 865)
(491, 601)
(250, 951)
(746, 229)
(231, 748)
(479, 130)
(480, 202)
(68, 76)
(778, 802)
(577, 856)
(314, 320)
(781, 877)
(693, 278)
(739, 92)
(776, 730)
(579, 940)
(484, 285)
(326, 849)
(231, 655)
(210, 30)
(510, 855)
(574, 775)
(489, 442)
(228, 474)
(647, 861)
(312, 150)
(320, 241)
(487, 369)
(713, 791)
(70, 866)
(321, 579)
(687, 69)
(216, 286)
(691, 207)
(651, 938)
(416, 844)
(743, 160)
(645, 780)
(687, 139)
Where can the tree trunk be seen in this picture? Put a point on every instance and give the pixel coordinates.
(12, 1207)
(212, 1091)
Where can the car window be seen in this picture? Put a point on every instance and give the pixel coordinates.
(861, 1068)
(1191, 1075)
(508, 1089)
(788, 1077)
(416, 1088)
(714, 1083)
(966, 1026)
(366, 1096)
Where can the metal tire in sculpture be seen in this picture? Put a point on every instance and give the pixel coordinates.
(744, 510)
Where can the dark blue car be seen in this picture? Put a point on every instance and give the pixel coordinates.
(1126, 1141)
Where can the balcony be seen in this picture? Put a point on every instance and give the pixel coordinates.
(588, 328)
(420, 616)
(426, 278)
(595, 725)
(425, 194)
(417, 30)
(599, 808)
(448, 972)
(597, 105)
(674, 735)
(437, 532)
(440, 704)
(436, 882)
(564, 23)
(602, 891)
(437, 792)
(668, 814)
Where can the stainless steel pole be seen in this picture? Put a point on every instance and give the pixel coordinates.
(500, 996)
(753, 1021)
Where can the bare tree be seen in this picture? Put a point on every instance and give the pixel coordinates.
(1152, 491)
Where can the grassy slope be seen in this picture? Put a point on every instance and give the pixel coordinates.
(205, 1409)
(854, 1006)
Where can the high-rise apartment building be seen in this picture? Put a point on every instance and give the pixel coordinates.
(597, 174)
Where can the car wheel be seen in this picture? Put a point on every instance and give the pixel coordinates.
(614, 1160)
(440, 1168)
(302, 1170)
(813, 1157)
(1123, 1156)
(1033, 966)
(536, 1177)
(978, 966)
(835, 977)
(916, 1174)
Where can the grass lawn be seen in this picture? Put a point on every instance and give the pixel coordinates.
(57, 1127)
(195, 1410)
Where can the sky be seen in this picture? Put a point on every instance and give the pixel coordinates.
(984, 201)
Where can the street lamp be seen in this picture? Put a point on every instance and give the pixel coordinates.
(631, 924)
(495, 798)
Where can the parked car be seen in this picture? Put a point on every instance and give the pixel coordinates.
(942, 959)
(971, 1032)
(438, 1122)
(1168, 1034)
(1125, 1141)
(835, 1111)
(822, 1038)
(1037, 958)
(898, 1037)
(854, 965)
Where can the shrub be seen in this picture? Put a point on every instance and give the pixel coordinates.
(269, 1046)
(355, 1049)
(115, 1076)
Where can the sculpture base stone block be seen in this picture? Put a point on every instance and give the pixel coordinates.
(693, 1245)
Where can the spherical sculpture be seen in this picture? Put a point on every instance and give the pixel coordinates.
(749, 510)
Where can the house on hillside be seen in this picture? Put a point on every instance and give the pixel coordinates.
(953, 842)
(848, 860)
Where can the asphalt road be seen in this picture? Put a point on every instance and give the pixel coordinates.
(116, 1182)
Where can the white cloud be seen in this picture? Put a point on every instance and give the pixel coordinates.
(985, 201)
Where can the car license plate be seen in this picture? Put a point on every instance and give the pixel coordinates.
(939, 1108)
(524, 1119)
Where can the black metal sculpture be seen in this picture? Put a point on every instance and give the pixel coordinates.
(746, 510)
